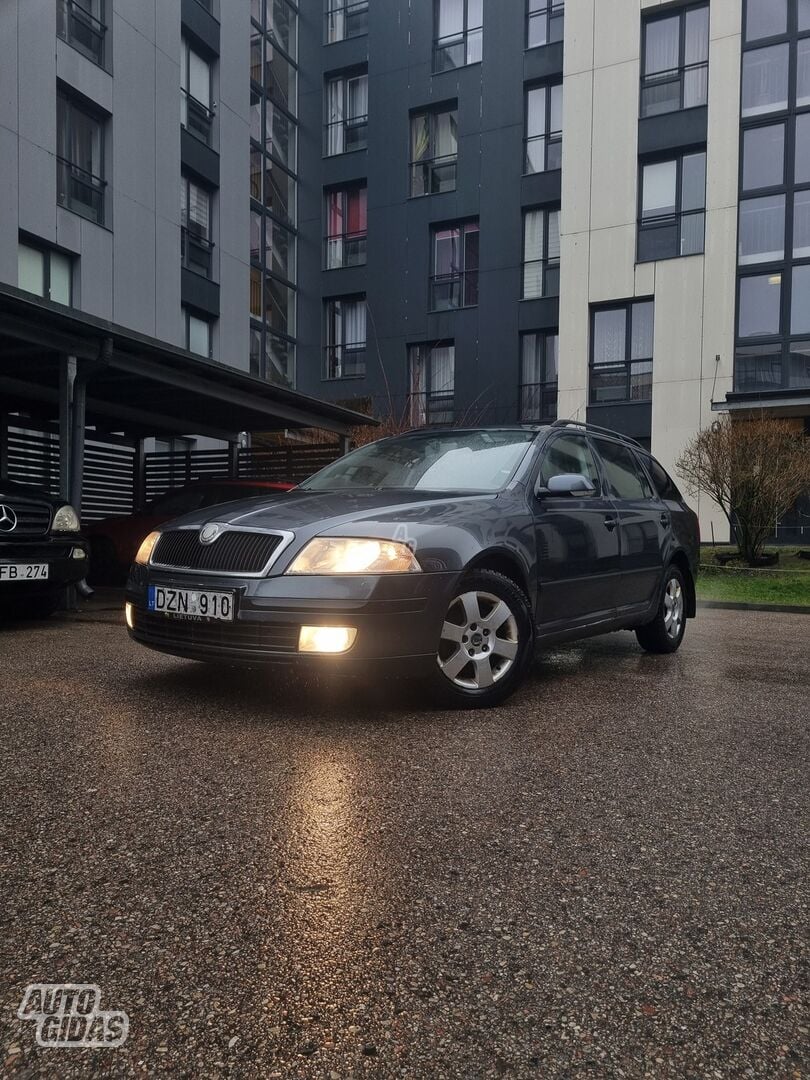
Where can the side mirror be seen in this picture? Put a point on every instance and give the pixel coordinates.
(570, 484)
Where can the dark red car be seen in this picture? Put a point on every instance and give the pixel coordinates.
(115, 540)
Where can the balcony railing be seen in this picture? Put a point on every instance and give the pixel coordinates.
(538, 402)
(629, 380)
(345, 249)
(79, 28)
(195, 117)
(79, 190)
(346, 20)
(671, 91)
(457, 50)
(345, 361)
(432, 407)
(666, 236)
(343, 136)
(543, 152)
(448, 291)
(197, 252)
(434, 175)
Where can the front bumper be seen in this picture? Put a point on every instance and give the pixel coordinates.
(398, 618)
(57, 552)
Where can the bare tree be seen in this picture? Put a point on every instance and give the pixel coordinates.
(753, 469)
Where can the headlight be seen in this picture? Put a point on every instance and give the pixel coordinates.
(144, 553)
(334, 555)
(65, 520)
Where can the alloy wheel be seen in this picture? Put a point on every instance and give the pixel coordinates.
(673, 608)
(479, 641)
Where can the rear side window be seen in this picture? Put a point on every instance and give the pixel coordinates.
(569, 454)
(664, 484)
(625, 480)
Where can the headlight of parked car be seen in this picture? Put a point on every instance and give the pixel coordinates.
(144, 552)
(336, 555)
(65, 520)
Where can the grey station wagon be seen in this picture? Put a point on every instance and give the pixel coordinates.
(441, 554)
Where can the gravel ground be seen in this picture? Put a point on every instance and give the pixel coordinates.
(603, 878)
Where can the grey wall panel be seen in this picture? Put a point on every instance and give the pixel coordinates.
(9, 209)
(232, 339)
(37, 192)
(88, 79)
(8, 65)
(168, 316)
(134, 264)
(95, 271)
(135, 117)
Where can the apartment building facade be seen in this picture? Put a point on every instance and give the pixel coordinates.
(524, 210)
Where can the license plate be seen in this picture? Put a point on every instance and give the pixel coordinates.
(191, 603)
(24, 571)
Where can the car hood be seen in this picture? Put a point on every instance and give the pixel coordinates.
(10, 489)
(302, 510)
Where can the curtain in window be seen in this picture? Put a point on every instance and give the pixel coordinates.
(335, 229)
(696, 36)
(451, 18)
(801, 225)
(356, 216)
(442, 373)
(803, 72)
(446, 135)
(659, 185)
(420, 137)
(533, 235)
(335, 20)
(765, 80)
(446, 254)
(556, 108)
(531, 367)
(536, 112)
(198, 210)
(641, 331)
(354, 324)
(609, 336)
(552, 357)
(334, 114)
(199, 79)
(553, 235)
(661, 45)
(357, 103)
(762, 229)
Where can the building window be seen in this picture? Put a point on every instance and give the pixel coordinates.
(196, 114)
(432, 383)
(459, 33)
(454, 281)
(81, 24)
(198, 333)
(622, 352)
(345, 352)
(80, 160)
(761, 233)
(195, 223)
(764, 19)
(434, 151)
(46, 272)
(544, 22)
(541, 254)
(346, 114)
(346, 227)
(765, 80)
(539, 356)
(763, 154)
(345, 19)
(675, 61)
(673, 204)
(543, 138)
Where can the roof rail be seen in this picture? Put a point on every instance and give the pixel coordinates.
(595, 427)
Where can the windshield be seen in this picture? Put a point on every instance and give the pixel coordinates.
(482, 461)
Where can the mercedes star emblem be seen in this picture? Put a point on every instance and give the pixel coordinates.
(8, 519)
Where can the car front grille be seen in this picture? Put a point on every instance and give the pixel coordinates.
(240, 638)
(233, 552)
(33, 519)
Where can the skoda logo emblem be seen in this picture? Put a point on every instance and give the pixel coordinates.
(209, 532)
(8, 519)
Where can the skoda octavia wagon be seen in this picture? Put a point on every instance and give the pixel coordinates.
(446, 555)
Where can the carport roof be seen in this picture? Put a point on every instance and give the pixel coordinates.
(138, 384)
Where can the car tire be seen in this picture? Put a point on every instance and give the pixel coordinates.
(664, 633)
(486, 643)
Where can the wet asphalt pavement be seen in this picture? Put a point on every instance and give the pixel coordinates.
(603, 878)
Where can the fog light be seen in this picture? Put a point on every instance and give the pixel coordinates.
(326, 639)
(128, 610)
(78, 553)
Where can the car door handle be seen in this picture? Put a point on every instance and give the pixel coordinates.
(610, 523)
(665, 520)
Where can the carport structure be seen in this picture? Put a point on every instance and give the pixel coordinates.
(67, 370)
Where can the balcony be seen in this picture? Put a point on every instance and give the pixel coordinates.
(346, 21)
(195, 117)
(457, 290)
(538, 402)
(345, 361)
(543, 153)
(343, 136)
(434, 175)
(80, 191)
(197, 252)
(76, 26)
(671, 91)
(629, 380)
(432, 407)
(345, 249)
(457, 50)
